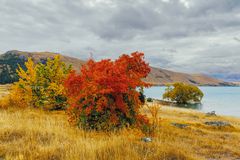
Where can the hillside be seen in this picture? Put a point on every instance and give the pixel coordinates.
(162, 76)
(236, 83)
(10, 60)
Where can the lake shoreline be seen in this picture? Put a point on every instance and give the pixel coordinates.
(223, 100)
(233, 85)
(176, 107)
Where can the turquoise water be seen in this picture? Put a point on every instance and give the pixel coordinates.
(223, 100)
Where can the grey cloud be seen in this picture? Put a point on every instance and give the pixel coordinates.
(201, 36)
(236, 39)
(169, 20)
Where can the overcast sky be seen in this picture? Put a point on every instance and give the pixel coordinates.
(196, 36)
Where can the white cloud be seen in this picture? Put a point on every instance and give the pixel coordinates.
(186, 3)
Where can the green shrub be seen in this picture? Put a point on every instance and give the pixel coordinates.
(183, 93)
(149, 99)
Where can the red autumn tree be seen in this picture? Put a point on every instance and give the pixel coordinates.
(104, 95)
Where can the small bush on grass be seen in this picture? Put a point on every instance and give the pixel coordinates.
(149, 100)
(104, 95)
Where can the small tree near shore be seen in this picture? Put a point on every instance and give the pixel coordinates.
(183, 93)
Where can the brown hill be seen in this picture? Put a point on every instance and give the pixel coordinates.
(162, 77)
(10, 60)
(236, 83)
(38, 56)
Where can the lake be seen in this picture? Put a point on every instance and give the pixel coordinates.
(223, 100)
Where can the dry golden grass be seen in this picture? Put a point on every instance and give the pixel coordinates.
(39, 135)
(4, 89)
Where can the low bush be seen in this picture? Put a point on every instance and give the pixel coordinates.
(104, 95)
(149, 100)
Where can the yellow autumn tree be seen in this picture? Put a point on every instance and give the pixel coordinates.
(41, 85)
(21, 94)
(50, 79)
(182, 93)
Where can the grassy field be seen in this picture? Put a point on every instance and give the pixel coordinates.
(31, 134)
(39, 135)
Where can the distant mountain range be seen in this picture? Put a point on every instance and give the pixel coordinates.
(10, 60)
(236, 83)
(160, 76)
(228, 77)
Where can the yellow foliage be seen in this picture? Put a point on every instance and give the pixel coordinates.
(183, 93)
(28, 76)
(40, 85)
(154, 110)
(16, 98)
(50, 79)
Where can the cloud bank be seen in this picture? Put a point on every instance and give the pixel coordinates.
(192, 36)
